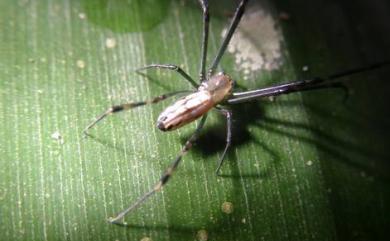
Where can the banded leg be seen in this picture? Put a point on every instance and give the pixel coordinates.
(281, 89)
(206, 20)
(228, 115)
(236, 19)
(165, 177)
(127, 106)
(171, 67)
(301, 85)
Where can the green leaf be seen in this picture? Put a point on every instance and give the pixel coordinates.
(306, 166)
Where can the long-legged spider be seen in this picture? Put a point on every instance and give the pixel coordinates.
(213, 91)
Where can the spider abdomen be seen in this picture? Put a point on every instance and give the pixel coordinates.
(185, 110)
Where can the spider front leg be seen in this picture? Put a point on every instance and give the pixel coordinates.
(206, 22)
(165, 177)
(127, 106)
(171, 67)
(233, 25)
(228, 115)
(335, 85)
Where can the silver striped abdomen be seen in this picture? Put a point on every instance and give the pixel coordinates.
(185, 110)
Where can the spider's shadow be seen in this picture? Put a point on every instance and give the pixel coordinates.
(212, 139)
(336, 145)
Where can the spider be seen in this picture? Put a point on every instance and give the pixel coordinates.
(214, 91)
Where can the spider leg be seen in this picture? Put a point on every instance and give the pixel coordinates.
(228, 114)
(165, 177)
(280, 89)
(335, 85)
(127, 106)
(206, 20)
(302, 85)
(170, 67)
(236, 19)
